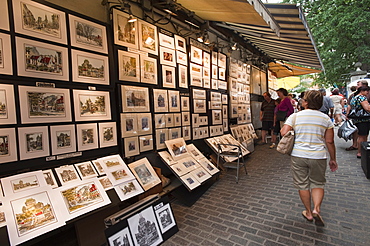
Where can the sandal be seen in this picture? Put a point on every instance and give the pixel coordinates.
(350, 148)
(318, 219)
(304, 214)
(358, 156)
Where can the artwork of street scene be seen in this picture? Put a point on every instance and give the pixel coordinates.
(38, 59)
(92, 105)
(188, 164)
(126, 30)
(49, 179)
(4, 145)
(149, 70)
(112, 163)
(81, 196)
(24, 183)
(119, 174)
(108, 135)
(34, 142)
(68, 175)
(90, 68)
(86, 169)
(87, 136)
(128, 188)
(148, 37)
(44, 104)
(38, 20)
(144, 174)
(33, 212)
(88, 34)
(178, 149)
(63, 139)
(165, 218)
(129, 64)
(136, 98)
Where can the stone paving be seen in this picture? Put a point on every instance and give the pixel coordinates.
(264, 208)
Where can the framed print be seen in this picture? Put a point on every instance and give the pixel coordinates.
(173, 101)
(186, 135)
(203, 120)
(67, 174)
(2, 217)
(233, 84)
(53, 30)
(39, 104)
(207, 83)
(160, 98)
(224, 99)
(179, 169)
(129, 125)
(146, 143)
(195, 133)
(194, 151)
(111, 162)
(183, 76)
(177, 119)
(195, 80)
(199, 106)
(88, 35)
(8, 145)
(131, 146)
(234, 110)
(208, 166)
(135, 99)
(177, 148)
(122, 237)
(53, 65)
(214, 84)
(221, 73)
(196, 69)
(128, 66)
(174, 133)
(160, 120)
(148, 70)
(63, 139)
(206, 73)
(167, 56)
(148, 38)
(86, 170)
(91, 105)
(4, 18)
(214, 70)
(206, 60)
(185, 116)
(216, 117)
(23, 182)
(144, 173)
(225, 124)
(221, 60)
(105, 182)
(166, 157)
(142, 220)
(199, 94)
(196, 55)
(190, 181)
(33, 142)
(195, 120)
(185, 105)
(90, 68)
(87, 136)
(170, 122)
(98, 167)
(144, 123)
(165, 218)
(127, 190)
(180, 43)
(107, 134)
(201, 175)
(166, 41)
(50, 178)
(168, 76)
(225, 114)
(161, 137)
(214, 58)
(181, 58)
(6, 65)
(215, 96)
(125, 33)
(119, 174)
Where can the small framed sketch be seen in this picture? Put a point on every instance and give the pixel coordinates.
(207, 83)
(23, 182)
(91, 105)
(208, 166)
(166, 41)
(174, 133)
(196, 69)
(177, 148)
(224, 99)
(165, 217)
(131, 146)
(206, 60)
(225, 125)
(200, 106)
(6, 65)
(190, 181)
(125, 32)
(180, 43)
(135, 99)
(128, 66)
(119, 174)
(111, 162)
(185, 104)
(7, 110)
(181, 58)
(221, 73)
(161, 137)
(148, 37)
(186, 135)
(160, 120)
(168, 76)
(98, 167)
(216, 117)
(127, 190)
(50, 178)
(167, 56)
(206, 73)
(177, 119)
(144, 123)
(199, 94)
(170, 122)
(4, 18)
(144, 173)
(86, 170)
(148, 70)
(55, 31)
(183, 76)
(63, 139)
(214, 58)
(234, 110)
(196, 55)
(225, 114)
(160, 98)
(107, 134)
(33, 142)
(90, 68)
(214, 71)
(215, 96)
(174, 101)
(185, 118)
(129, 125)
(67, 174)
(87, 136)
(221, 60)
(54, 64)
(105, 182)
(195, 120)
(195, 80)
(201, 175)
(214, 84)
(146, 143)
(194, 151)
(88, 35)
(121, 237)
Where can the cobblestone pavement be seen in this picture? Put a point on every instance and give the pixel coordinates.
(264, 208)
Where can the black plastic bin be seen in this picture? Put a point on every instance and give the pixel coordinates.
(365, 158)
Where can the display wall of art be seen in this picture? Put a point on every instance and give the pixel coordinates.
(6, 66)
(33, 142)
(135, 99)
(148, 37)
(91, 105)
(63, 139)
(125, 32)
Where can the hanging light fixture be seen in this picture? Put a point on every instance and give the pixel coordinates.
(200, 37)
(206, 38)
(235, 46)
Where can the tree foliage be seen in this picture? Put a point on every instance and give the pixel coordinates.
(341, 31)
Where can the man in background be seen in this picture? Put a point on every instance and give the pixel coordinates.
(267, 116)
(327, 104)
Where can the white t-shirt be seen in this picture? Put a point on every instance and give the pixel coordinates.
(310, 126)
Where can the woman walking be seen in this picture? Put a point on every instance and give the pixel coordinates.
(338, 106)
(284, 106)
(314, 136)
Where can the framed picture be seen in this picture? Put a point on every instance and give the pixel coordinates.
(185, 104)
(214, 58)
(214, 70)
(88, 35)
(125, 33)
(195, 120)
(170, 122)
(221, 60)
(128, 66)
(122, 237)
(7, 110)
(201, 175)
(203, 120)
(190, 181)
(168, 76)
(199, 106)
(67, 174)
(4, 18)
(63, 139)
(165, 218)
(146, 143)
(185, 118)
(195, 133)
(98, 167)
(6, 65)
(39, 104)
(225, 114)
(224, 99)
(183, 76)
(167, 56)
(186, 135)
(127, 190)
(174, 133)
(181, 58)
(166, 41)
(144, 123)
(206, 73)
(144, 173)
(55, 30)
(160, 98)
(194, 151)
(148, 38)
(148, 70)
(173, 101)
(33, 142)
(234, 110)
(23, 182)
(207, 83)
(131, 146)
(221, 73)
(86, 170)
(91, 105)
(196, 55)
(90, 68)
(215, 96)
(111, 162)
(87, 136)
(135, 99)
(50, 178)
(180, 43)
(119, 174)
(107, 134)
(160, 120)
(105, 182)
(206, 60)
(225, 124)
(199, 94)
(216, 117)
(54, 64)
(214, 84)
(166, 157)
(161, 137)
(179, 169)
(208, 166)
(129, 125)
(177, 148)
(177, 119)
(196, 69)
(195, 80)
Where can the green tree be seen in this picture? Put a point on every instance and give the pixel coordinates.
(341, 31)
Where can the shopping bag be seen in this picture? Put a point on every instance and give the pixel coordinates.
(285, 145)
(346, 130)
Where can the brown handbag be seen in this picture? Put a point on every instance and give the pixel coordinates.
(286, 143)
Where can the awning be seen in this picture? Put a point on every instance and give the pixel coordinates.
(288, 82)
(281, 70)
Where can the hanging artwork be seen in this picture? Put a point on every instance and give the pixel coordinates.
(19, 183)
(91, 105)
(125, 32)
(206, 60)
(6, 66)
(166, 41)
(181, 58)
(7, 103)
(146, 143)
(129, 125)
(4, 17)
(128, 66)
(63, 139)
(160, 120)
(174, 133)
(148, 38)
(148, 70)
(186, 135)
(160, 98)
(185, 104)
(183, 76)
(135, 99)
(222, 60)
(33, 142)
(177, 119)
(174, 101)
(180, 43)
(144, 123)
(86, 170)
(128, 189)
(167, 56)
(144, 173)
(196, 55)
(161, 137)
(168, 76)
(107, 134)
(87, 136)
(50, 178)
(131, 146)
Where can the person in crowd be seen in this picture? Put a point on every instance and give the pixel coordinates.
(300, 101)
(285, 104)
(338, 106)
(313, 140)
(267, 116)
(276, 127)
(363, 124)
(327, 105)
